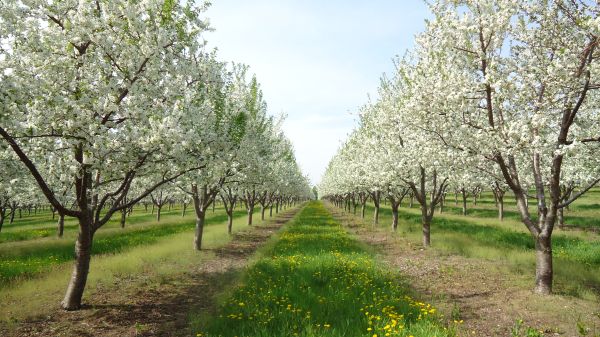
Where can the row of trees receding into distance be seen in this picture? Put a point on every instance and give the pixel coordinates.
(497, 94)
(109, 104)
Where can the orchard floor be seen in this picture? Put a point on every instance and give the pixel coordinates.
(488, 297)
(150, 304)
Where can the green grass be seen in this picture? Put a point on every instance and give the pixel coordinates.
(147, 265)
(41, 225)
(317, 280)
(565, 247)
(481, 235)
(23, 260)
(583, 213)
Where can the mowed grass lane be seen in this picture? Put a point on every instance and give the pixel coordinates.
(584, 213)
(317, 280)
(42, 225)
(481, 235)
(26, 259)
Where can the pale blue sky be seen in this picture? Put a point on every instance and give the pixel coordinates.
(316, 60)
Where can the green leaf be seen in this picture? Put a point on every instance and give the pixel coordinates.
(167, 11)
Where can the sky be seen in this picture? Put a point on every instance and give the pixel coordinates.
(317, 60)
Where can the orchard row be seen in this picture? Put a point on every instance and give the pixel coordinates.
(107, 104)
(498, 95)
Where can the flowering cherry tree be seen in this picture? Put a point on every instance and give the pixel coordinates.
(497, 93)
(94, 92)
(514, 83)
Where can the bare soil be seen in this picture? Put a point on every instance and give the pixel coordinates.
(484, 294)
(141, 307)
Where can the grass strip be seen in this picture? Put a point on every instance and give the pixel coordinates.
(564, 247)
(35, 258)
(317, 280)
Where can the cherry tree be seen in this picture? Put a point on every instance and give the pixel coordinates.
(229, 195)
(99, 86)
(514, 82)
(160, 197)
(11, 185)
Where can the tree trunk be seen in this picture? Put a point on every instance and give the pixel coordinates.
(12, 216)
(262, 212)
(394, 216)
(214, 205)
(277, 207)
(2, 216)
(426, 221)
(442, 201)
(183, 209)
(200, 216)
(464, 201)
(561, 218)
(410, 203)
(250, 213)
(500, 208)
(543, 265)
(362, 211)
(61, 225)
(376, 202)
(159, 208)
(81, 268)
(152, 209)
(123, 217)
(271, 211)
(230, 221)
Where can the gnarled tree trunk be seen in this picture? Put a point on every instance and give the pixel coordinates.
(250, 214)
(60, 225)
(395, 216)
(376, 201)
(123, 218)
(500, 208)
(543, 265)
(463, 193)
(426, 224)
(561, 218)
(229, 221)
(183, 209)
(81, 268)
(199, 230)
(158, 210)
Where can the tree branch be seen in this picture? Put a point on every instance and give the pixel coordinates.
(48, 193)
(580, 193)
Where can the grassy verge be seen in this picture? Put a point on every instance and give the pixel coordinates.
(316, 280)
(42, 225)
(151, 262)
(576, 255)
(24, 260)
